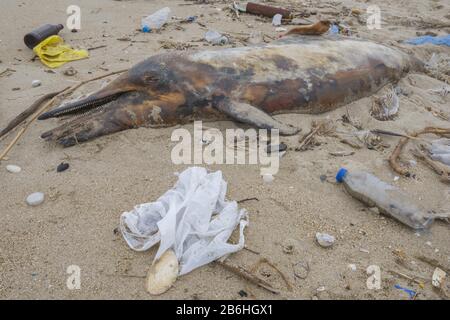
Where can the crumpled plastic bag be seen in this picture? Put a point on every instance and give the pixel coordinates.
(193, 219)
(440, 150)
(54, 53)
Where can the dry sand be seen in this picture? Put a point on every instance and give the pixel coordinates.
(75, 225)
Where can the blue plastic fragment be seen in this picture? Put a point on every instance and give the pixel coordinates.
(410, 292)
(334, 29)
(442, 40)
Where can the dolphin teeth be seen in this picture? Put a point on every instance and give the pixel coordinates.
(75, 107)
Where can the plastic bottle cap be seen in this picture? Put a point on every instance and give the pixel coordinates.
(146, 29)
(341, 174)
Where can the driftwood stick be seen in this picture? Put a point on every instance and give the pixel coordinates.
(247, 275)
(307, 138)
(439, 168)
(48, 105)
(30, 110)
(433, 262)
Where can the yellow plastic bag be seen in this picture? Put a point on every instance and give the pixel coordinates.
(54, 53)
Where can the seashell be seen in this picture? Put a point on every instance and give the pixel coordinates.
(163, 273)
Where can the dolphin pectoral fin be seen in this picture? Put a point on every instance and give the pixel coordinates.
(246, 113)
(88, 127)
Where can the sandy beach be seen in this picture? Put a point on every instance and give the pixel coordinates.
(77, 223)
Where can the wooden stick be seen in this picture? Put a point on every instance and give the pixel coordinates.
(307, 138)
(247, 275)
(439, 168)
(30, 110)
(47, 106)
(433, 262)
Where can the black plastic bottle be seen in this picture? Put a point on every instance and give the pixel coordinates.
(33, 38)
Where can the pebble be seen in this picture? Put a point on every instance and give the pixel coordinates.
(36, 83)
(13, 168)
(35, 199)
(325, 240)
(352, 267)
(62, 167)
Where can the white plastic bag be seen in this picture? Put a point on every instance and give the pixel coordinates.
(440, 151)
(193, 219)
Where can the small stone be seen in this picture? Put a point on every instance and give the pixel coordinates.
(321, 289)
(36, 83)
(70, 72)
(13, 168)
(364, 250)
(352, 267)
(62, 167)
(35, 199)
(243, 294)
(325, 240)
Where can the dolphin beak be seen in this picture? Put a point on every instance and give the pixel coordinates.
(100, 98)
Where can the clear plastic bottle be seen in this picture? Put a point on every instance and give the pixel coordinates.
(215, 37)
(156, 20)
(388, 199)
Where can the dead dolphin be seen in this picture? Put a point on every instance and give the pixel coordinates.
(296, 74)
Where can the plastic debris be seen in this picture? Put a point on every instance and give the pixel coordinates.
(215, 38)
(155, 21)
(54, 53)
(182, 220)
(388, 199)
(439, 40)
(440, 151)
(163, 273)
(325, 240)
(13, 168)
(35, 199)
(334, 29)
(438, 278)
(276, 21)
(412, 294)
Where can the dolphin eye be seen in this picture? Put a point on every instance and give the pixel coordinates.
(149, 78)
